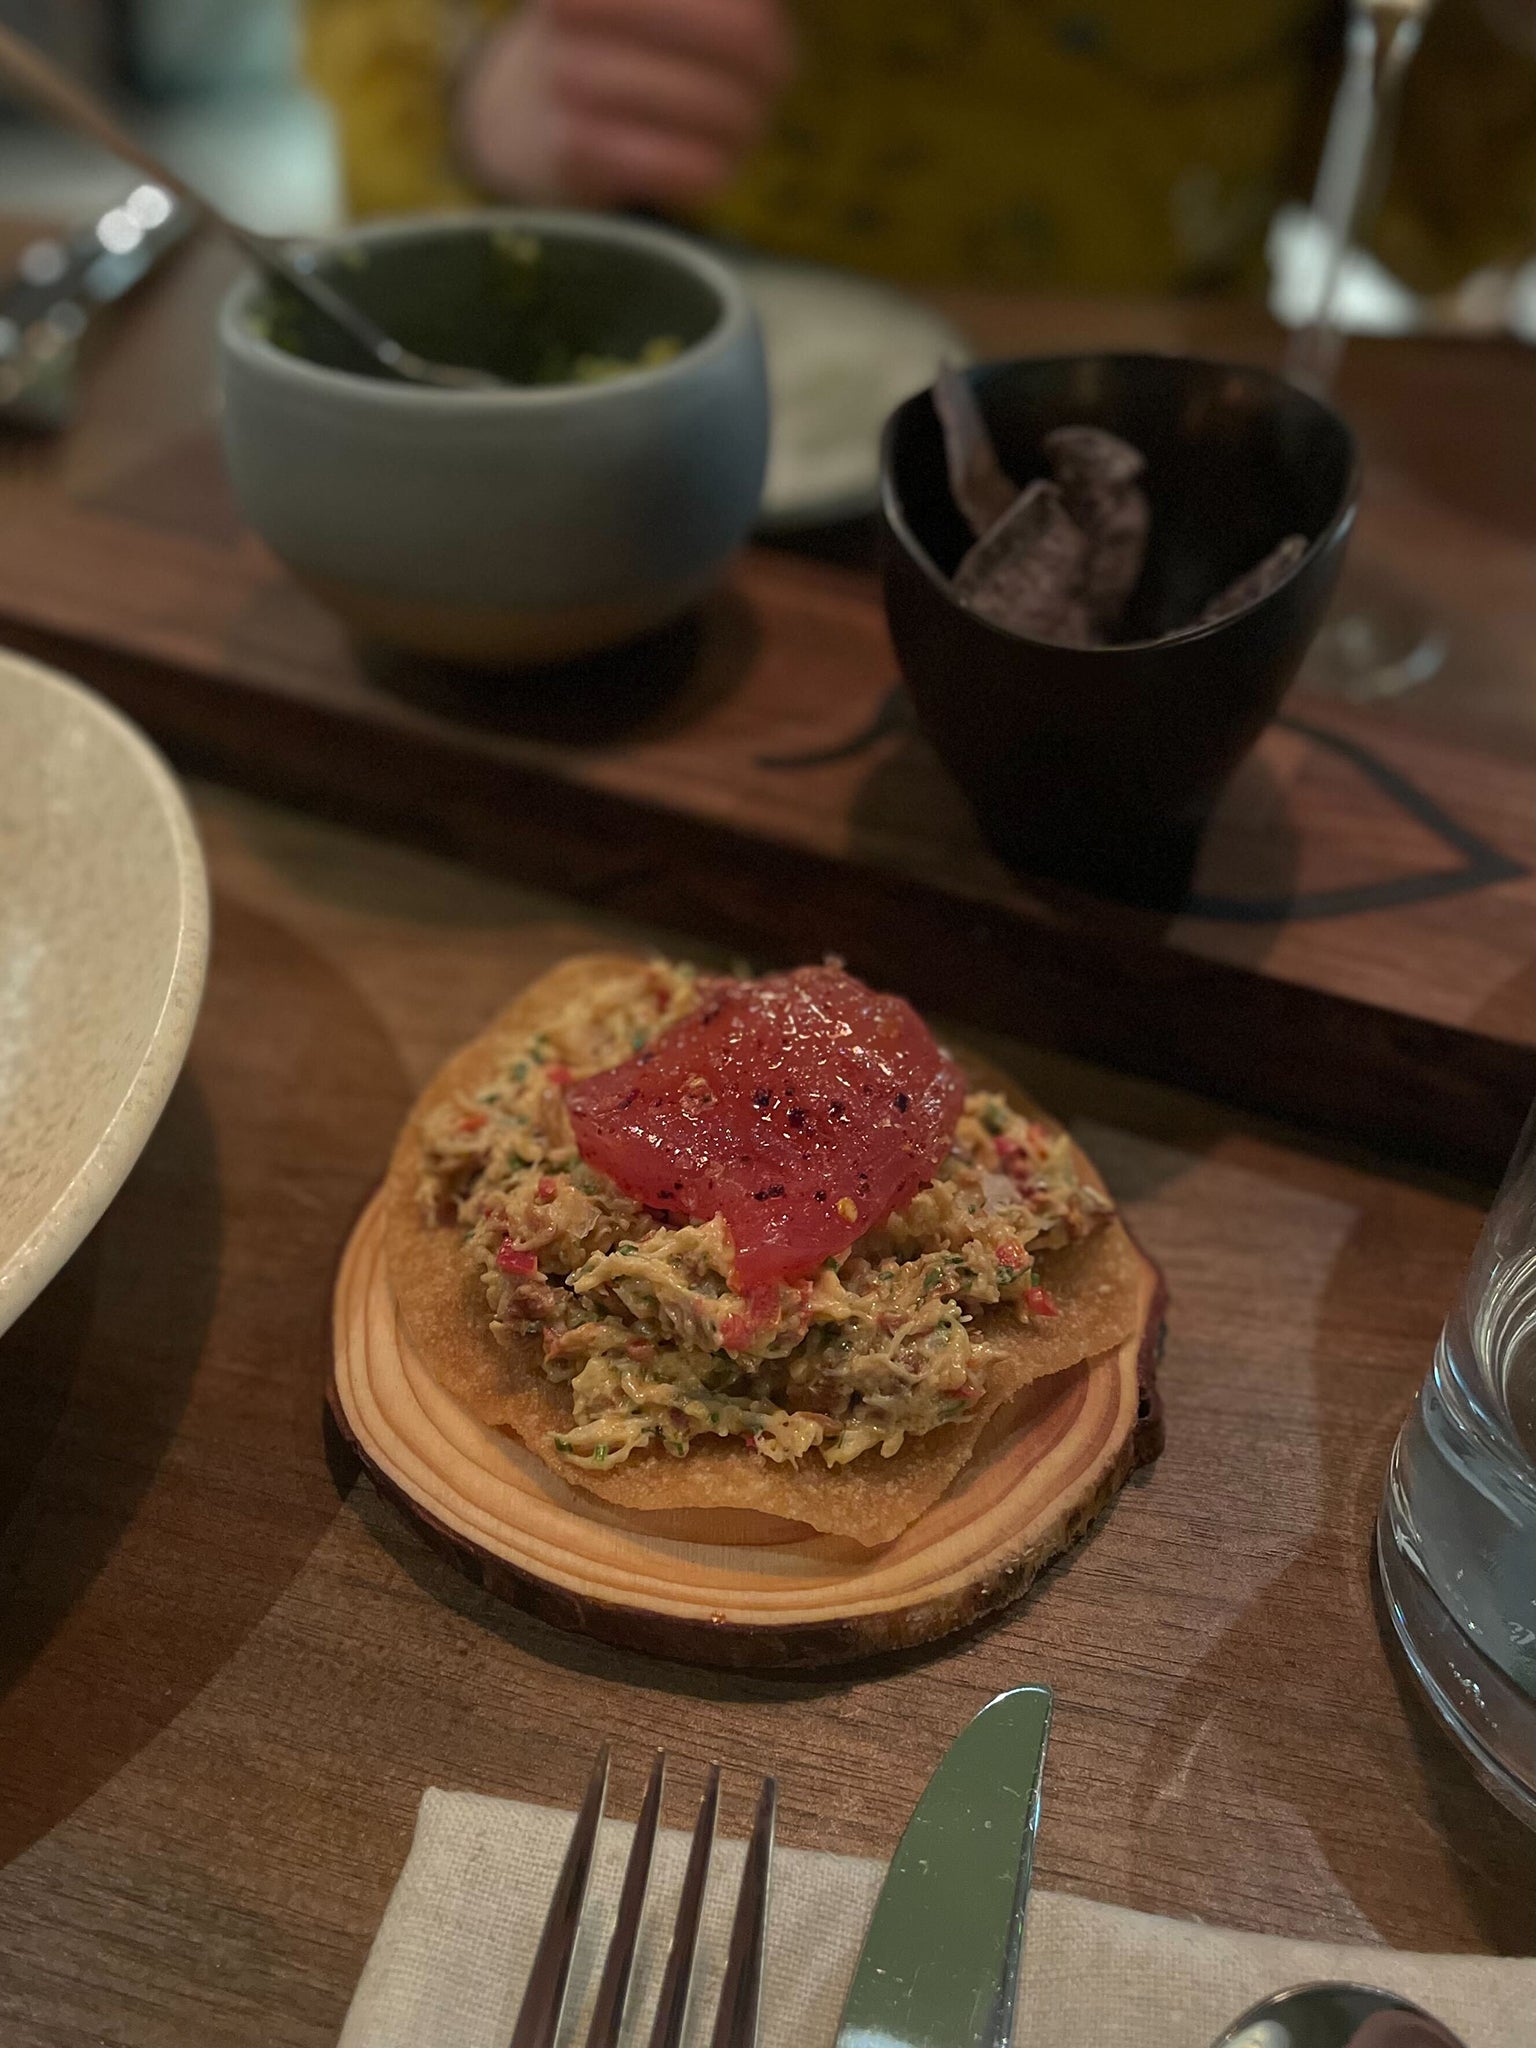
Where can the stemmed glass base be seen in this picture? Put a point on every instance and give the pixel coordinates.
(1364, 653)
(1491, 1720)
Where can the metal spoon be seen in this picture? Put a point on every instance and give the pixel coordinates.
(26, 68)
(1336, 2016)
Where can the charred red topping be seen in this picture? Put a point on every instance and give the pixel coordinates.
(803, 1108)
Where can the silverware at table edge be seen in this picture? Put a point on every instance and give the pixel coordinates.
(35, 75)
(59, 283)
(1315, 2015)
(940, 1961)
(736, 2018)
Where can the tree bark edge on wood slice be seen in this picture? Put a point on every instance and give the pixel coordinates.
(736, 1593)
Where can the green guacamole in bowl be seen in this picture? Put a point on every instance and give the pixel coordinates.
(595, 492)
(530, 309)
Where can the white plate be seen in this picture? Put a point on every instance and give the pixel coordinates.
(103, 946)
(843, 353)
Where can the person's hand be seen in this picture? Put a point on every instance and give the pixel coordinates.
(622, 102)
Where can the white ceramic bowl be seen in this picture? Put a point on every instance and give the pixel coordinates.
(524, 524)
(103, 947)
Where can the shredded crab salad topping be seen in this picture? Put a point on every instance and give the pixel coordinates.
(640, 1319)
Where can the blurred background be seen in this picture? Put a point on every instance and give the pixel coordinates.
(215, 84)
(1136, 146)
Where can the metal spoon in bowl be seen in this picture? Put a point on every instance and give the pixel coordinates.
(30, 72)
(1336, 2016)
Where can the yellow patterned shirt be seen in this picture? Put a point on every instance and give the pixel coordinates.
(1123, 145)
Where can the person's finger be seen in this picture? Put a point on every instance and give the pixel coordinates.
(654, 89)
(608, 162)
(751, 37)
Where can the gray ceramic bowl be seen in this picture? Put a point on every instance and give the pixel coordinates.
(529, 524)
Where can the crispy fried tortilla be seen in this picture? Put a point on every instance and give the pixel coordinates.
(441, 1298)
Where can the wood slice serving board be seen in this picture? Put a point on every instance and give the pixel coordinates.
(736, 1589)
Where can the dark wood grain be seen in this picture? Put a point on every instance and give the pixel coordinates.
(228, 1674)
(1365, 958)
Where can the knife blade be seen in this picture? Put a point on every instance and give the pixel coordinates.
(940, 1963)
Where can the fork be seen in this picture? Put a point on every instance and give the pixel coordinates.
(538, 2020)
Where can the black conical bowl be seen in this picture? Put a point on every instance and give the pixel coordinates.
(1100, 765)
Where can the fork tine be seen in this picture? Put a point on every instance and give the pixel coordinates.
(740, 1993)
(538, 2019)
(608, 2013)
(672, 2006)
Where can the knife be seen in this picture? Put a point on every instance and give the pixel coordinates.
(940, 1963)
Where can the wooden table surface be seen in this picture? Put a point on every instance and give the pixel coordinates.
(1360, 950)
(227, 1672)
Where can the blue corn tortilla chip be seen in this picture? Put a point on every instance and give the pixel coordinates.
(1257, 583)
(1060, 559)
(1098, 472)
(1026, 570)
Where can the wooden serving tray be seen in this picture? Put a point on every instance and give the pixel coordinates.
(736, 1589)
(1360, 949)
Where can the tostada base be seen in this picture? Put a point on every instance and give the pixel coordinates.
(725, 1587)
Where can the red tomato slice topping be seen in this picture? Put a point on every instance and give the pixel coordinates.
(802, 1107)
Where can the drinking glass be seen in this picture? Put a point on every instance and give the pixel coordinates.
(1456, 1538)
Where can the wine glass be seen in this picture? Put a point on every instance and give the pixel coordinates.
(1381, 42)
(1370, 652)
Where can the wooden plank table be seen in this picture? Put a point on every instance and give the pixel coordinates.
(227, 1671)
(1361, 951)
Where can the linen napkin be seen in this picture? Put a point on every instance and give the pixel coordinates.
(448, 1964)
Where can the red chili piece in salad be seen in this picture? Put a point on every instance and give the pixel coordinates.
(803, 1107)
